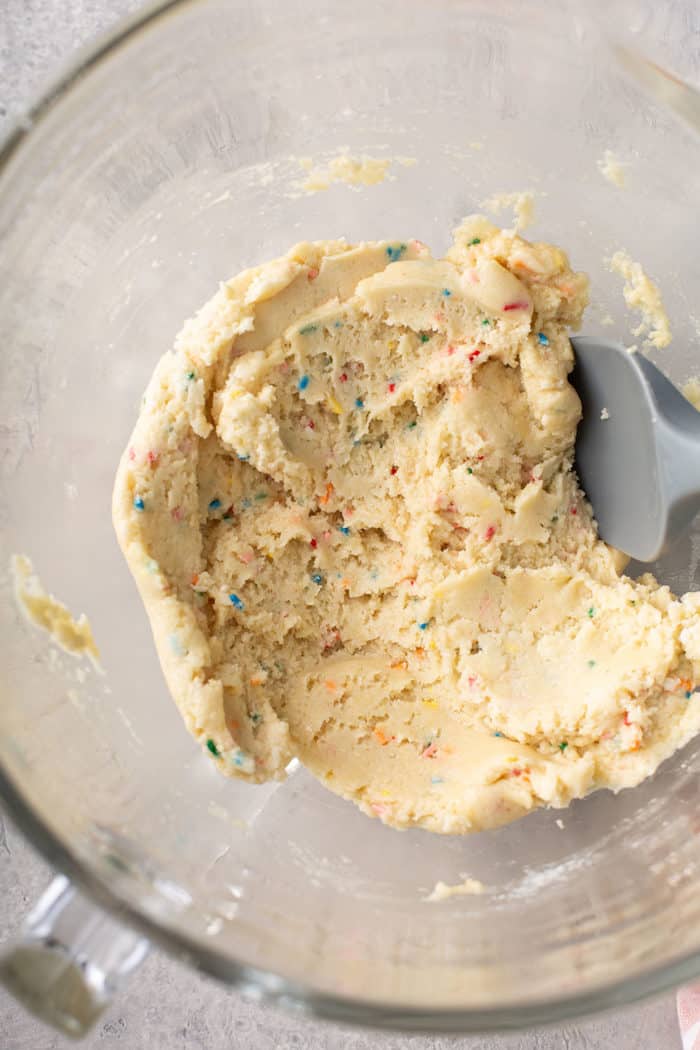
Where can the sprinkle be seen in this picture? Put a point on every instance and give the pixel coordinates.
(430, 750)
(345, 529)
(485, 321)
(424, 337)
(313, 273)
(310, 425)
(177, 514)
(152, 458)
(313, 543)
(591, 663)
(626, 718)
(574, 511)
(474, 354)
(317, 578)
(392, 387)
(334, 405)
(245, 458)
(490, 533)
(518, 305)
(260, 496)
(395, 252)
(337, 324)
(563, 746)
(151, 566)
(329, 492)
(236, 601)
(498, 734)
(176, 645)
(469, 470)
(412, 425)
(423, 626)
(343, 377)
(359, 403)
(437, 780)
(303, 382)
(307, 329)
(474, 240)
(431, 703)
(394, 470)
(189, 375)
(380, 736)
(215, 504)
(213, 748)
(591, 612)
(542, 338)
(246, 503)
(688, 694)
(132, 454)
(139, 504)
(446, 292)
(255, 717)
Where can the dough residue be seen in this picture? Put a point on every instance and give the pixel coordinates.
(612, 169)
(443, 891)
(691, 391)
(350, 508)
(353, 171)
(47, 612)
(522, 204)
(643, 295)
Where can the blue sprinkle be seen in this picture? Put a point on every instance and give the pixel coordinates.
(498, 734)
(303, 382)
(446, 292)
(395, 252)
(246, 503)
(423, 626)
(239, 758)
(244, 458)
(317, 578)
(139, 504)
(359, 403)
(176, 645)
(437, 780)
(338, 324)
(215, 504)
(543, 339)
(688, 695)
(235, 601)
(345, 529)
(189, 375)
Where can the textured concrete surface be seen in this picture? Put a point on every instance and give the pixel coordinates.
(168, 1007)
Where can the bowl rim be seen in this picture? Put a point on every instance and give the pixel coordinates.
(263, 985)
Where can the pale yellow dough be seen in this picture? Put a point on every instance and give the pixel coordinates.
(349, 507)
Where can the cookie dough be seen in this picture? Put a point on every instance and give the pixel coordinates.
(349, 506)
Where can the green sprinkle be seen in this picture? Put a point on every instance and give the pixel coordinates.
(591, 612)
(591, 663)
(213, 748)
(486, 321)
(424, 337)
(190, 375)
(255, 718)
(475, 240)
(412, 425)
(469, 470)
(260, 495)
(307, 329)
(563, 746)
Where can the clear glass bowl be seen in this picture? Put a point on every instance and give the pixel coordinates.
(169, 161)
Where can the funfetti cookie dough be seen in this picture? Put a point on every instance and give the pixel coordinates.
(349, 506)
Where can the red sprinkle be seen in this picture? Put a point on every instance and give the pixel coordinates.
(132, 454)
(152, 458)
(450, 351)
(313, 273)
(474, 354)
(392, 387)
(516, 306)
(490, 532)
(177, 514)
(343, 377)
(394, 470)
(626, 719)
(574, 510)
(429, 752)
(313, 543)
(311, 425)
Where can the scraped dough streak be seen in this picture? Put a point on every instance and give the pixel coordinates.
(349, 506)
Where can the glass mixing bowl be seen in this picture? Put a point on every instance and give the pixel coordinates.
(168, 161)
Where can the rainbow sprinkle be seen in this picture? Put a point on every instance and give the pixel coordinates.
(474, 240)
(542, 339)
(307, 329)
(317, 578)
(214, 504)
(213, 748)
(359, 403)
(303, 382)
(446, 292)
(139, 504)
(345, 529)
(395, 252)
(236, 601)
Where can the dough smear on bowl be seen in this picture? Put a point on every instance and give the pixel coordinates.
(349, 506)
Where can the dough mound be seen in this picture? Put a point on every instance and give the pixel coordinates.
(350, 509)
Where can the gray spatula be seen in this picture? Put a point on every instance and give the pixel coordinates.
(637, 449)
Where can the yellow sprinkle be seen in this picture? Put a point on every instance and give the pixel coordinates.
(334, 405)
(237, 392)
(431, 703)
(392, 344)
(385, 794)
(433, 645)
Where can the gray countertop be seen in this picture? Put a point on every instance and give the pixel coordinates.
(168, 1006)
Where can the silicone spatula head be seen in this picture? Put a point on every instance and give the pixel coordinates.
(637, 449)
